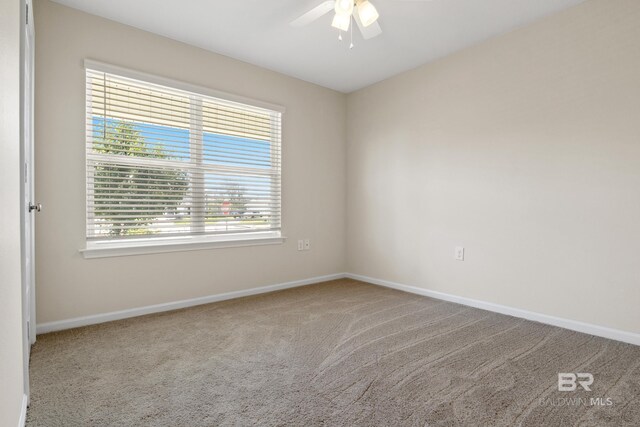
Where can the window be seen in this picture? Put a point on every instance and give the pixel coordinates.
(169, 164)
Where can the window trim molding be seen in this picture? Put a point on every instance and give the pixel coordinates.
(126, 247)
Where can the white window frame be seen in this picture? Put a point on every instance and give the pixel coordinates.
(141, 246)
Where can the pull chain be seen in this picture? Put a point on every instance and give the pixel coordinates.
(351, 27)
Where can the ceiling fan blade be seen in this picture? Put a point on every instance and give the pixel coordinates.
(315, 13)
(367, 32)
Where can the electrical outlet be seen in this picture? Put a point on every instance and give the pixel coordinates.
(307, 244)
(301, 245)
(459, 253)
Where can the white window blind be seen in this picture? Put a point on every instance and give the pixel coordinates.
(167, 162)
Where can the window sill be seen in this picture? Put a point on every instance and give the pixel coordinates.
(163, 245)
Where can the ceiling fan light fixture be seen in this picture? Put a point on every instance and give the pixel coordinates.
(344, 7)
(367, 13)
(341, 21)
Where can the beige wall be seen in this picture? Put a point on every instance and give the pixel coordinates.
(523, 149)
(11, 371)
(526, 151)
(313, 174)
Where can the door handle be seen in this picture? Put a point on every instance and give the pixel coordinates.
(35, 207)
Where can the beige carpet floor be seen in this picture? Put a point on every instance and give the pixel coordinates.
(341, 353)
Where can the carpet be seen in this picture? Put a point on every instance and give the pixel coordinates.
(340, 353)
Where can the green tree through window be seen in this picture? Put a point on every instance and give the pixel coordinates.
(131, 198)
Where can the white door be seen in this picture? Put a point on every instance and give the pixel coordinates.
(29, 206)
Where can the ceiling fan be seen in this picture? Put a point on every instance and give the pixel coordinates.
(362, 12)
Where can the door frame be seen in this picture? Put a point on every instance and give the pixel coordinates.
(27, 83)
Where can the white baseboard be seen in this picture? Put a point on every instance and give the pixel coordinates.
(574, 325)
(23, 411)
(59, 325)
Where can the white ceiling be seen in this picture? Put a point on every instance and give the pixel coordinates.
(257, 31)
